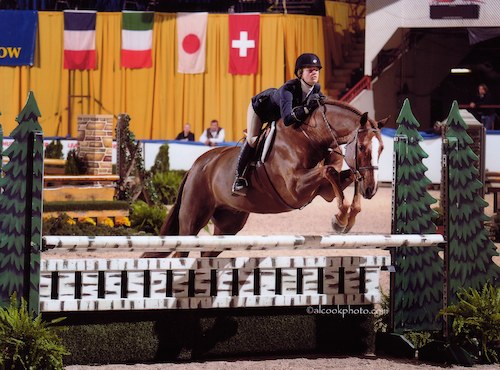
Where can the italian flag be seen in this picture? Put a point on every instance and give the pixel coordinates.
(137, 39)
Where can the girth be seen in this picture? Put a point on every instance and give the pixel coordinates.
(262, 176)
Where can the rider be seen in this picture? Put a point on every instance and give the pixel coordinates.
(293, 102)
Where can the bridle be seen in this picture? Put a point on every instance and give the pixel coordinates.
(335, 146)
(354, 167)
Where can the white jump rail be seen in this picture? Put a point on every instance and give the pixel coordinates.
(223, 243)
(216, 282)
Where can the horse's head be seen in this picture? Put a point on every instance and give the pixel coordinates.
(344, 124)
(363, 153)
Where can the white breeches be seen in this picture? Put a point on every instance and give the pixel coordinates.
(254, 125)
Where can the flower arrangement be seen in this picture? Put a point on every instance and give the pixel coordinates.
(122, 221)
(87, 220)
(105, 221)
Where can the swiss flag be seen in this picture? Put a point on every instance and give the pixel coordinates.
(244, 32)
(191, 42)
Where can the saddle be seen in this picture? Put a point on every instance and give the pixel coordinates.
(257, 166)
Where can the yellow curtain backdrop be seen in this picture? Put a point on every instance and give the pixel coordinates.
(340, 14)
(342, 21)
(159, 100)
(301, 36)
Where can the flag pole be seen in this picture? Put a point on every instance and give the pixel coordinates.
(69, 104)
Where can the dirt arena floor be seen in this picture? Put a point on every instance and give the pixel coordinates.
(315, 219)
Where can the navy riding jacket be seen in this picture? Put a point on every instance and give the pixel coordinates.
(273, 104)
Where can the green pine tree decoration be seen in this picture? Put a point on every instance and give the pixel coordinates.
(470, 249)
(20, 216)
(418, 278)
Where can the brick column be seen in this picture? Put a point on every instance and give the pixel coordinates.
(95, 140)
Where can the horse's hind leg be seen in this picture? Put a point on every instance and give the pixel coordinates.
(192, 223)
(228, 222)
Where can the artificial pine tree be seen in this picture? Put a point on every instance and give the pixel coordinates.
(470, 249)
(418, 280)
(20, 222)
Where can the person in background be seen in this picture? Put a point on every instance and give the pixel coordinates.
(186, 134)
(484, 115)
(213, 135)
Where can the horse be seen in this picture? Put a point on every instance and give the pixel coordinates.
(305, 161)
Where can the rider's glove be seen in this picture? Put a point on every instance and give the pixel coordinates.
(313, 101)
(300, 113)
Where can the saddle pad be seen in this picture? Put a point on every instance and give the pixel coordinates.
(268, 142)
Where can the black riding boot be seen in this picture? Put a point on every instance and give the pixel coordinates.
(240, 184)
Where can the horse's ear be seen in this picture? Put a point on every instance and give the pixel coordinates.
(363, 119)
(383, 122)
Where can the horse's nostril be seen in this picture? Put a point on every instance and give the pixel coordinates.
(368, 192)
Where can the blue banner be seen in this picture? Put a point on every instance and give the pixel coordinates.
(17, 37)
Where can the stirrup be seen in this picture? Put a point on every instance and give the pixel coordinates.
(240, 186)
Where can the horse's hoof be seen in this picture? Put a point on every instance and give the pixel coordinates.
(337, 226)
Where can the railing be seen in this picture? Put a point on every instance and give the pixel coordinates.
(80, 178)
(364, 84)
(485, 106)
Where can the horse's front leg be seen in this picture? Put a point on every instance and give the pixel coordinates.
(339, 182)
(355, 208)
(309, 181)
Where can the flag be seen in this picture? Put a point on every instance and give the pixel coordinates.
(79, 39)
(191, 42)
(17, 37)
(244, 32)
(137, 39)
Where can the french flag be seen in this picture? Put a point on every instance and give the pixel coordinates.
(79, 40)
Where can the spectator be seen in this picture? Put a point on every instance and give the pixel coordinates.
(186, 134)
(213, 135)
(485, 115)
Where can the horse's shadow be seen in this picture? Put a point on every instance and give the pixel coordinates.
(187, 336)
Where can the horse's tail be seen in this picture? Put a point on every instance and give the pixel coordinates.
(171, 224)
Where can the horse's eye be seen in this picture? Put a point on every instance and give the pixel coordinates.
(362, 148)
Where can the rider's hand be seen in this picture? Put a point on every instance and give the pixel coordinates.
(313, 101)
(300, 114)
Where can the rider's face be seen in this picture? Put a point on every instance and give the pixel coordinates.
(310, 75)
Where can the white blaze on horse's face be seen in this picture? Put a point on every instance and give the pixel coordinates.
(375, 158)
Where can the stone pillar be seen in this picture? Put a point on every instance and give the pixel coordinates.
(95, 140)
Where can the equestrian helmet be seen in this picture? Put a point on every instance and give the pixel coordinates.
(307, 60)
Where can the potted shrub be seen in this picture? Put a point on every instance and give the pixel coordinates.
(438, 219)
(476, 321)
(28, 342)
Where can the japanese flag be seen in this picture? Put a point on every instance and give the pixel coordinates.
(244, 32)
(191, 42)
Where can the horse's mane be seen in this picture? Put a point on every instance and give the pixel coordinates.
(342, 104)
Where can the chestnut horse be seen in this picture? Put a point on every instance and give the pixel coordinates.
(304, 162)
